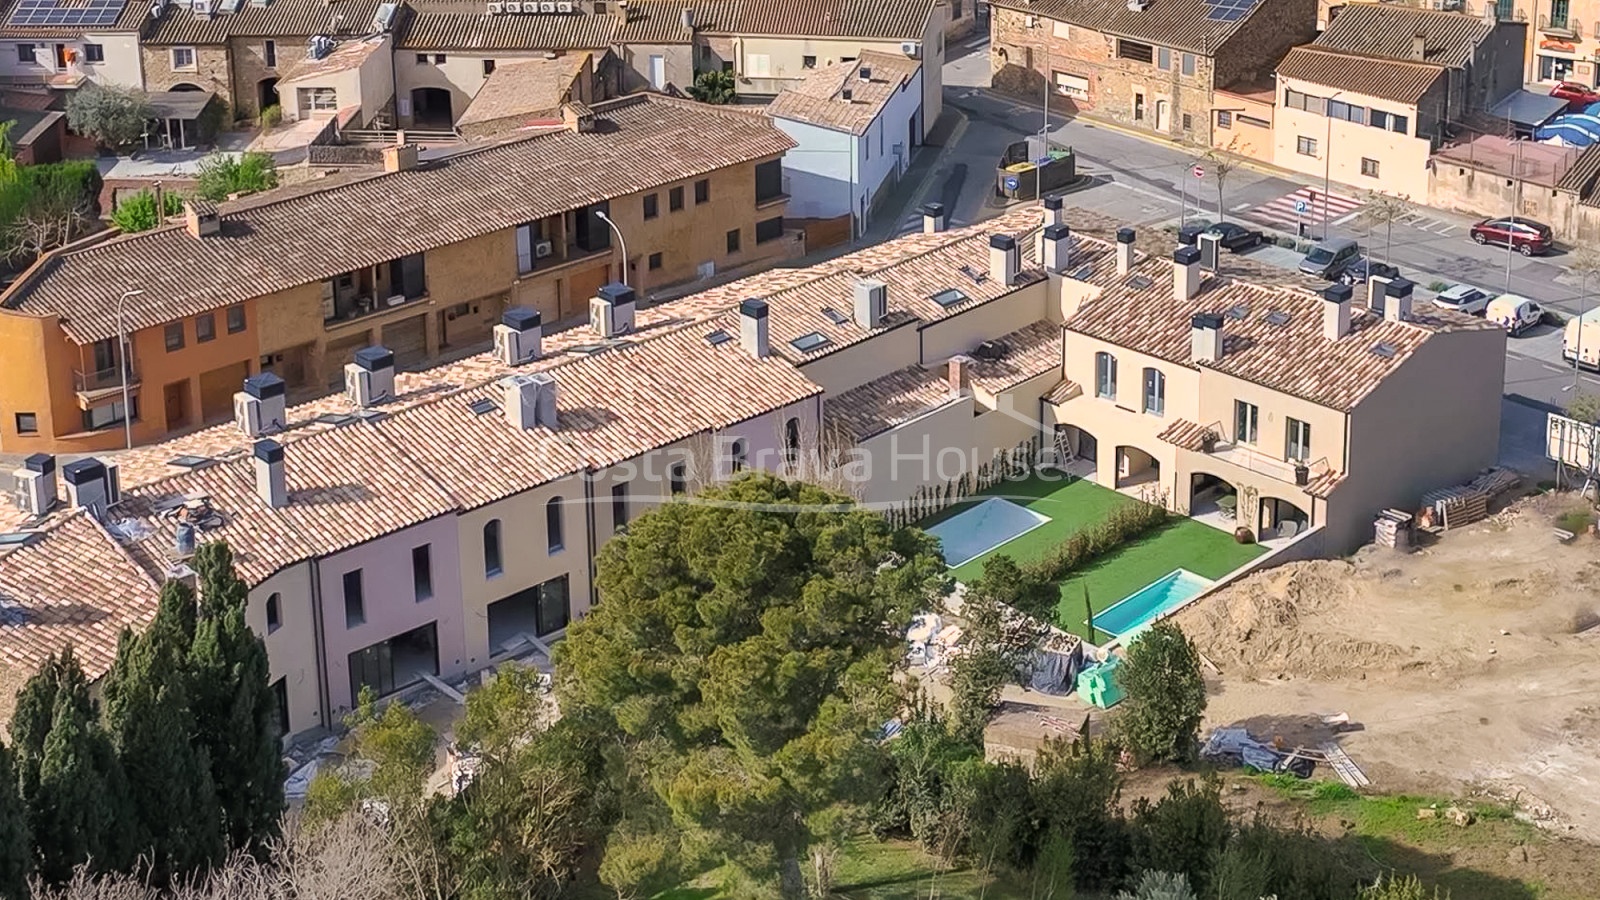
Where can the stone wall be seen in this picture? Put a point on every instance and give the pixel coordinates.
(211, 70)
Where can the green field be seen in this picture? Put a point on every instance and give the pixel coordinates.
(1071, 505)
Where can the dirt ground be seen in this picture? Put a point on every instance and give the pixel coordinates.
(1468, 666)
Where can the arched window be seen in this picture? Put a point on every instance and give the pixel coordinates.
(1105, 376)
(273, 613)
(491, 548)
(737, 456)
(552, 524)
(791, 440)
(1155, 392)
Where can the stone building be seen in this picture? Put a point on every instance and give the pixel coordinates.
(1151, 65)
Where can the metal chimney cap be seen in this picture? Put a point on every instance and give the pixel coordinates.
(83, 471)
(374, 358)
(43, 463)
(267, 451)
(615, 294)
(1338, 293)
(1053, 203)
(1056, 232)
(1125, 235)
(522, 318)
(1187, 256)
(264, 386)
(754, 307)
(933, 209)
(1002, 242)
(1399, 287)
(1208, 321)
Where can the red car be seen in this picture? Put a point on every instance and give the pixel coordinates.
(1523, 235)
(1577, 94)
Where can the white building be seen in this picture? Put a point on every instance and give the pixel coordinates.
(857, 124)
(63, 44)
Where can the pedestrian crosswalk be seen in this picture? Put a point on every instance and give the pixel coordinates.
(1310, 203)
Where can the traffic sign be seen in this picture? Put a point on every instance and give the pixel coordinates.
(1199, 171)
(1301, 207)
(1012, 182)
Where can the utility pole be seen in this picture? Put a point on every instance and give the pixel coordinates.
(122, 366)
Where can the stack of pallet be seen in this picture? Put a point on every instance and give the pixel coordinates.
(1394, 529)
(1467, 503)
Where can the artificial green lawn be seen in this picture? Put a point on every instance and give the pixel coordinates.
(1072, 505)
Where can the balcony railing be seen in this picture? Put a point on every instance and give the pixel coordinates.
(103, 379)
(1255, 461)
(1563, 24)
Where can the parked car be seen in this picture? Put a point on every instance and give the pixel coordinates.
(1524, 235)
(1514, 313)
(1464, 298)
(1192, 229)
(1577, 94)
(1236, 237)
(1581, 342)
(1362, 268)
(1328, 258)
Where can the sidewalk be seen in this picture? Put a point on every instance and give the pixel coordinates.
(903, 200)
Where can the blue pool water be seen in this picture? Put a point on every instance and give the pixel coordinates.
(1143, 606)
(974, 532)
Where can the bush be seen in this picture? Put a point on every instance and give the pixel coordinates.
(1084, 545)
(114, 116)
(222, 174)
(138, 213)
(1077, 791)
(1159, 886)
(1183, 832)
(1263, 860)
(1166, 696)
(1286, 242)
(1438, 287)
(1407, 888)
(714, 87)
(271, 117)
(1576, 521)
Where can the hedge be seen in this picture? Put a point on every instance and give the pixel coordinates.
(1124, 524)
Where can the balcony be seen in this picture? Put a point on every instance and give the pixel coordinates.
(96, 385)
(1252, 460)
(1561, 25)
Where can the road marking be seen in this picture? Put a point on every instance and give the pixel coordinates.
(1241, 207)
(1345, 220)
(1282, 210)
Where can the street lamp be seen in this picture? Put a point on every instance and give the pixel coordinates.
(620, 242)
(122, 364)
(1327, 159)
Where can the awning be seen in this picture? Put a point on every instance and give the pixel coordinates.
(1528, 110)
(178, 104)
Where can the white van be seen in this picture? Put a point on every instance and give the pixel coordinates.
(1513, 313)
(1581, 343)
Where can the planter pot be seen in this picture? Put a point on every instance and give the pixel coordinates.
(1208, 444)
(1302, 475)
(1243, 535)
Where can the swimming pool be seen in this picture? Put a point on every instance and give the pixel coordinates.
(971, 533)
(1141, 607)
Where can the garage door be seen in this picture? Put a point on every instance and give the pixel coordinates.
(408, 340)
(582, 287)
(217, 388)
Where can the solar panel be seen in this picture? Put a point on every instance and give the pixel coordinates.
(188, 461)
(1238, 312)
(54, 13)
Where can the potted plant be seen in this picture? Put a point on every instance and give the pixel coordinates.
(1302, 474)
(1208, 441)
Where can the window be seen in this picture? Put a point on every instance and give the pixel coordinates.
(317, 99)
(488, 67)
(1246, 418)
(808, 62)
(438, 59)
(235, 319)
(27, 423)
(554, 608)
(769, 180)
(757, 65)
(769, 229)
(619, 506)
(1504, 9)
(280, 693)
(25, 55)
(733, 241)
(1338, 109)
(702, 191)
(675, 198)
(355, 605)
(1224, 119)
(182, 58)
(1163, 59)
(269, 52)
(96, 418)
(1369, 167)
(1070, 85)
(1060, 29)
(1399, 124)
(1305, 146)
(1105, 376)
(1296, 100)
(791, 440)
(679, 478)
(600, 10)
(652, 206)
(1253, 121)
(273, 613)
(1298, 444)
(1138, 107)
(94, 53)
(655, 261)
(1188, 123)
(1155, 392)
(727, 65)
(491, 548)
(1135, 51)
(1188, 64)
(205, 327)
(422, 573)
(554, 541)
(422, 59)
(738, 455)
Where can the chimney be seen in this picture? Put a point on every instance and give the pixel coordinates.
(686, 19)
(272, 486)
(753, 328)
(1125, 237)
(90, 484)
(370, 379)
(1004, 258)
(400, 157)
(956, 374)
(1397, 306)
(1419, 46)
(529, 400)
(578, 118)
(260, 408)
(1185, 273)
(872, 303)
(201, 218)
(611, 310)
(1336, 311)
(847, 95)
(159, 195)
(1056, 241)
(1205, 337)
(1491, 14)
(1054, 213)
(36, 481)
(518, 337)
(864, 73)
(933, 218)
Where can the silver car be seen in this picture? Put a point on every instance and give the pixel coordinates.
(1464, 298)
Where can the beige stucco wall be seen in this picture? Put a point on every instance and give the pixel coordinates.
(292, 648)
(1003, 315)
(860, 363)
(1402, 160)
(1218, 391)
(1118, 422)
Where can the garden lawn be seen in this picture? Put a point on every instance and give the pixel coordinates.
(1184, 543)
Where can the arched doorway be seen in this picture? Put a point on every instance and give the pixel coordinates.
(1214, 500)
(1137, 469)
(185, 86)
(430, 108)
(1076, 451)
(266, 93)
(1281, 519)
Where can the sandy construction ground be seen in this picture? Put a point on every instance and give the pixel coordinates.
(1471, 665)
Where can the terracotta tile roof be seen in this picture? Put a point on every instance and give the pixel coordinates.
(348, 55)
(818, 99)
(1580, 176)
(1028, 352)
(72, 585)
(524, 88)
(1322, 484)
(1272, 336)
(873, 19)
(451, 25)
(133, 15)
(1184, 434)
(1402, 81)
(1170, 23)
(1062, 392)
(642, 141)
(886, 402)
(178, 24)
(1449, 38)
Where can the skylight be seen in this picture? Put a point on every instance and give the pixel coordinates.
(335, 419)
(1083, 273)
(1139, 282)
(17, 538)
(187, 461)
(834, 316)
(1278, 318)
(950, 297)
(1238, 312)
(718, 338)
(481, 407)
(1384, 350)
(806, 343)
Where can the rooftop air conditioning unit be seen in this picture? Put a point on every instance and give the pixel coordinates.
(912, 49)
(495, 9)
(543, 249)
(563, 6)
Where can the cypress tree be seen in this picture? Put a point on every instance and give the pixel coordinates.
(15, 845)
(236, 718)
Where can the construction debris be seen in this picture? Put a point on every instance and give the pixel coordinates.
(1461, 505)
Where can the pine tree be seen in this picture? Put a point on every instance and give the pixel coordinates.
(235, 711)
(15, 846)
